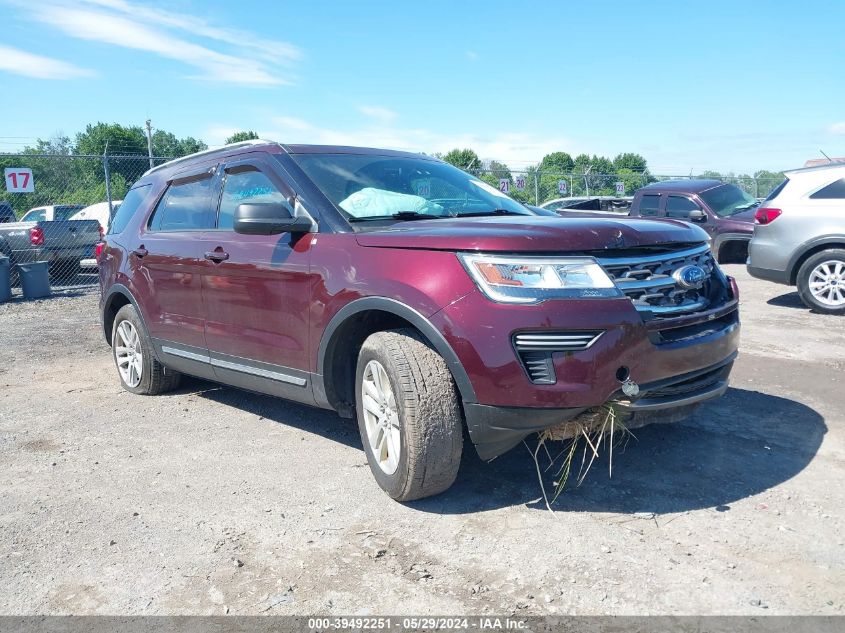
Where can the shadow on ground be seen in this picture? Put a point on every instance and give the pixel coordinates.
(788, 300)
(732, 448)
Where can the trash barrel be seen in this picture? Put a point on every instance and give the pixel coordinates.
(5, 280)
(35, 279)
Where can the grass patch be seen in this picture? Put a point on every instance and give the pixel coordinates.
(599, 428)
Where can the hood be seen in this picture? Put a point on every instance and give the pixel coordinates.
(531, 234)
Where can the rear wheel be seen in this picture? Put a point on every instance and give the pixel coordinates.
(821, 281)
(137, 367)
(409, 415)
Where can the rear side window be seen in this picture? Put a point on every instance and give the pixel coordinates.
(128, 208)
(36, 215)
(649, 205)
(833, 191)
(679, 207)
(245, 184)
(185, 206)
(64, 212)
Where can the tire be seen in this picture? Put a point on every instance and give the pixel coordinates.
(154, 377)
(813, 272)
(426, 415)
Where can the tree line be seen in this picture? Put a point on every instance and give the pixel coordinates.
(70, 170)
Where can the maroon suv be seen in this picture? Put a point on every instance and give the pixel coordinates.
(397, 288)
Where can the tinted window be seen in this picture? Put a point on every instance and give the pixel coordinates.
(834, 191)
(245, 185)
(127, 208)
(64, 212)
(649, 205)
(186, 206)
(679, 207)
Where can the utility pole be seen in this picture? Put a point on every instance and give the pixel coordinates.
(150, 142)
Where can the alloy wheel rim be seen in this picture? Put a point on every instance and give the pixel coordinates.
(827, 283)
(127, 353)
(381, 418)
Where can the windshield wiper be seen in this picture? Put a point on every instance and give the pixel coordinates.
(399, 215)
(490, 212)
(743, 207)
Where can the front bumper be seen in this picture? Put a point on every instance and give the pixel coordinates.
(657, 355)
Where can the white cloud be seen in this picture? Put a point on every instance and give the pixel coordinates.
(837, 128)
(249, 60)
(20, 62)
(378, 112)
(518, 150)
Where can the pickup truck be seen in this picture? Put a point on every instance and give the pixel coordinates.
(723, 210)
(63, 243)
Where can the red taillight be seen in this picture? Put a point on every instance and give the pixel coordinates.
(98, 251)
(36, 236)
(766, 215)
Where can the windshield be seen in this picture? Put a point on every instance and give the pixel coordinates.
(366, 187)
(727, 200)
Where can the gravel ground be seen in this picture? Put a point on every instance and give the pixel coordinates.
(212, 500)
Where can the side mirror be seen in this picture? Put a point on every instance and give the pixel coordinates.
(697, 215)
(269, 218)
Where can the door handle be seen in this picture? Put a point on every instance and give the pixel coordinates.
(140, 251)
(217, 256)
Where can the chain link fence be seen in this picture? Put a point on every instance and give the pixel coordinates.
(535, 186)
(46, 213)
(51, 192)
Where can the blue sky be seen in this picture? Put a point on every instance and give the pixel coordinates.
(731, 86)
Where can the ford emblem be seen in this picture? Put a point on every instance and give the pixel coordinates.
(690, 277)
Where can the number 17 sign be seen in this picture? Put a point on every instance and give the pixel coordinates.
(19, 180)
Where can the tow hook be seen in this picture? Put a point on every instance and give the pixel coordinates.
(630, 388)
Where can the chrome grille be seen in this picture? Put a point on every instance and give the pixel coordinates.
(647, 280)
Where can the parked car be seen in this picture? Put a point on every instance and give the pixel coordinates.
(398, 289)
(799, 239)
(610, 204)
(7, 214)
(51, 212)
(723, 210)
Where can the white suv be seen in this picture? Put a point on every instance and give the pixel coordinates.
(799, 236)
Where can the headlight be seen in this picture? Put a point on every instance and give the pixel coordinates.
(535, 279)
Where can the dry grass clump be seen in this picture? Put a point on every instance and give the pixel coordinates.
(595, 428)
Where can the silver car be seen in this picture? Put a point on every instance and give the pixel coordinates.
(799, 236)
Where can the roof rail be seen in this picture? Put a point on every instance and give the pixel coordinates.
(209, 152)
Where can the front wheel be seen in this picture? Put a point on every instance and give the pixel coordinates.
(136, 364)
(409, 415)
(821, 281)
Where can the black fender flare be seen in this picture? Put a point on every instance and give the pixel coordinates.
(397, 308)
(810, 245)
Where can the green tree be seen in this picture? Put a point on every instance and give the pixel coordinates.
(465, 159)
(123, 140)
(631, 161)
(237, 137)
(167, 145)
(559, 162)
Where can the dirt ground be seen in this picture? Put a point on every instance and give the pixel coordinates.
(212, 500)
